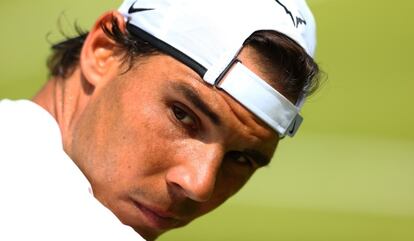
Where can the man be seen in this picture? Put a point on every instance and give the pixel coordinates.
(161, 112)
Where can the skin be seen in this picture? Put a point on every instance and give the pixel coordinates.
(153, 154)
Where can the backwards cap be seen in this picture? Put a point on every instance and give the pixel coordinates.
(207, 36)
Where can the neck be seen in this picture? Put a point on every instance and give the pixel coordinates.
(63, 99)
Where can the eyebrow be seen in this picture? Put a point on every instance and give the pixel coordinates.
(260, 158)
(191, 95)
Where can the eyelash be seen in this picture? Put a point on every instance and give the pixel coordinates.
(235, 155)
(179, 110)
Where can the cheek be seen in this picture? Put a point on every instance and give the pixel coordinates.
(231, 181)
(145, 140)
(228, 183)
(116, 140)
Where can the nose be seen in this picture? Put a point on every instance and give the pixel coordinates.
(195, 173)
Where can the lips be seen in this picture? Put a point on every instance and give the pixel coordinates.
(157, 219)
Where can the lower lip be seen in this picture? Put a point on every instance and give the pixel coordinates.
(155, 220)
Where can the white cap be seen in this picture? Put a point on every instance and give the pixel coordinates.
(207, 35)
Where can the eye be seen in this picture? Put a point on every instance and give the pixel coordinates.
(243, 160)
(240, 158)
(184, 117)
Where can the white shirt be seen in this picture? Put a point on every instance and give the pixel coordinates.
(43, 194)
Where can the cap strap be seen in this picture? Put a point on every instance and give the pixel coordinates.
(261, 99)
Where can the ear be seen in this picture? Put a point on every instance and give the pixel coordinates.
(98, 60)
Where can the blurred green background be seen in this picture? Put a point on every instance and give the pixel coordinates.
(348, 174)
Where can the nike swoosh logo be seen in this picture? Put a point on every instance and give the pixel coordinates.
(293, 129)
(132, 9)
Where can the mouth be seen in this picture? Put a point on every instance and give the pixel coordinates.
(157, 219)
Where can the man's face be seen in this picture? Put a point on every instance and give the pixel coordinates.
(160, 147)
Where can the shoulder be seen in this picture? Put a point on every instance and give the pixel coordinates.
(44, 195)
(25, 117)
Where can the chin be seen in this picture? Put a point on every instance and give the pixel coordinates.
(148, 235)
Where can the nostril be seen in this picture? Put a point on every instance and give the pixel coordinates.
(176, 192)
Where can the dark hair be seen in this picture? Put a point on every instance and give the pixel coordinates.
(285, 61)
(295, 71)
(65, 55)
